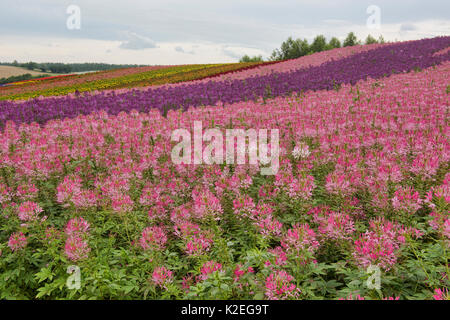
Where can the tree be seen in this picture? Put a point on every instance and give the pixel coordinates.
(370, 40)
(381, 39)
(334, 43)
(31, 65)
(351, 40)
(247, 58)
(319, 44)
(291, 49)
(59, 68)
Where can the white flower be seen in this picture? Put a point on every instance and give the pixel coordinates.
(301, 151)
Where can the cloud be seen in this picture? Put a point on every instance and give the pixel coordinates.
(181, 50)
(232, 52)
(407, 27)
(137, 42)
(238, 52)
(225, 31)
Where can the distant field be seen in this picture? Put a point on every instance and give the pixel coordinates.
(10, 71)
(120, 79)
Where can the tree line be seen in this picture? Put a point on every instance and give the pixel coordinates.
(67, 67)
(21, 77)
(291, 49)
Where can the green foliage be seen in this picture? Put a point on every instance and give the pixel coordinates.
(291, 49)
(21, 77)
(247, 58)
(30, 65)
(351, 40)
(334, 43)
(319, 44)
(370, 40)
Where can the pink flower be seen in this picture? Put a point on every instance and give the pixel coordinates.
(17, 241)
(68, 188)
(279, 286)
(84, 199)
(208, 268)
(29, 211)
(440, 223)
(334, 225)
(372, 249)
(27, 191)
(269, 227)
(122, 203)
(239, 272)
(76, 248)
(198, 245)
(206, 204)
(4, 193)
(338, 183)
(441, 294)
(186, 229)
(300, 187)
(181, 214)
(406, 199)
(299, 239)
(161, 277)
(439, 195)
(244, 207)
(69, 192)
(280, 257)
(153, 238)
(77, 226)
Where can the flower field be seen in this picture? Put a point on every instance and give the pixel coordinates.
(87, 180)
(121, 78)
(377, 63)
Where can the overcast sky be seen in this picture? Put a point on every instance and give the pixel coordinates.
(198, 31)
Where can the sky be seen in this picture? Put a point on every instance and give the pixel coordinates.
(163, 32)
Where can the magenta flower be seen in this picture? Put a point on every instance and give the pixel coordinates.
(77, 226)
(208, 268)
(27, 191)
(153, 238)
(441, 294)
(407, 200)
(29, 211)
(198, 245)
(17, 241)
(279, 286)
(161, 277)
(76, 248)
(299, 239)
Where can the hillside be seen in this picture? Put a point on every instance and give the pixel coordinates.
(9, 71)
(342, 176)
